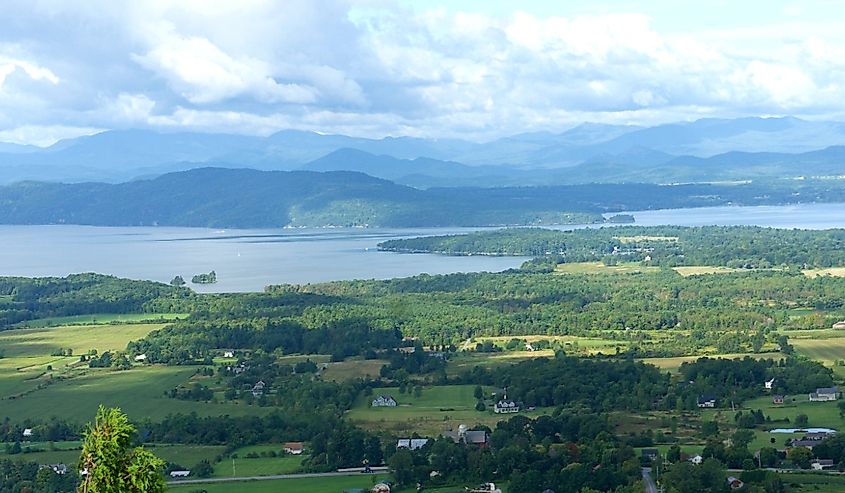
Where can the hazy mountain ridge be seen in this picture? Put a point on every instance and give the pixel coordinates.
(704, 150)
(244, 198)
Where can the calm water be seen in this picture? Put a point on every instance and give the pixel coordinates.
(248, 260)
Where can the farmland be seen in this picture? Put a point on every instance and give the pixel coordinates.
(29, 389)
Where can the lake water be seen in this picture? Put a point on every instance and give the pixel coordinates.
(248, 260)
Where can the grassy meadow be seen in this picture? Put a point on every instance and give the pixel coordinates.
(28, 389)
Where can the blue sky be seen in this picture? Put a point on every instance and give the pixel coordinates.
(433, 68)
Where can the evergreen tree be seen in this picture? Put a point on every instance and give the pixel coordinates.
(109, 462)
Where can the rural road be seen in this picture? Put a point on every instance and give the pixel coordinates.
(266, 478)
(650, 487)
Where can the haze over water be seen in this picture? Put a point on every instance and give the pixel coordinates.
(248, 260)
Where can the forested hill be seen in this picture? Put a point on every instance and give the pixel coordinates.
(729, 246)
(218, 197)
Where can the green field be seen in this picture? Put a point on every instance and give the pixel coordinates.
(674, 363)
(600, 268)
(438, 409)
(44, 341)
(68, 453)
(351, 369)
(260, 466)
(699, 270)
(826, 351)
(833, 272)
(138, 392)
(334, 484)
(73, 391)
(102, 318)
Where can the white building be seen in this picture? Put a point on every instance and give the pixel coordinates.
(384, 401)
(505, 406)
(180, 474)
(823, 394)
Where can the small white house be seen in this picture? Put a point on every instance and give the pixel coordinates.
(258, 388)
(293, 448)
(411, 443)
(824, 394)
(229, 353)
(505, 406)
(180, 474)
(696, 459)
(140, 358)
(821, 464)
(59, 468)
(27, 432)
(706, 401)
(770, 384)
(384, 401)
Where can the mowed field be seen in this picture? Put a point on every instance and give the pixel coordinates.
(103, 318)
(71, 390)
(351, 369)
(334, 484)
(440, 408)
(826, 351)
(674, 363)
(833, 272)
(600, 268)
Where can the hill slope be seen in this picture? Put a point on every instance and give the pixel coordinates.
(244, 198)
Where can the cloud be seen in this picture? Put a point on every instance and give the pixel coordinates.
(376, 67)
(203, 73)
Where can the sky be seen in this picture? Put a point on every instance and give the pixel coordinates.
(472, 69)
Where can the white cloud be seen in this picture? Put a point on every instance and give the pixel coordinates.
(373, 67)
(203, 73)
(44, 135)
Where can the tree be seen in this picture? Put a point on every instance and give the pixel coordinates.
(203, 469)
(741, 438)
(478, 393)
(401, 466)
(111, 464)
(673, 454)
(801, 420)
(800, 456)
(178, 281)
(768, 456)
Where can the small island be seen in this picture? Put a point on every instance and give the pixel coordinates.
(620, 219)
(209, 278)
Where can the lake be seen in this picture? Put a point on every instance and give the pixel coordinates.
(248, 260)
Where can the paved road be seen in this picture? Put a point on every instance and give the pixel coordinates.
(266, 478)
(650, 487)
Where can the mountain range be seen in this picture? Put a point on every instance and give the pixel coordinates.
(246, 198)
(699, 151)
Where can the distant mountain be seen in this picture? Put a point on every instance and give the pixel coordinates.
(423, 172)
(586, 153)
(9, 148)
(243, 198)
(829, 162)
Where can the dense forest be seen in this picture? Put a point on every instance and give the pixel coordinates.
(24, 298)
(731, 246)
(217, 197)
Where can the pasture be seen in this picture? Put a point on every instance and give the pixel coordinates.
(351, 369)
(138, 392)
(68, 453)
(332, 484)
(674, 363)
(37, 342)
(700, 270)
(826, 351)
(832, 271)
(600, 268)
(438, 409)
(102, 318)
(238, 464)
